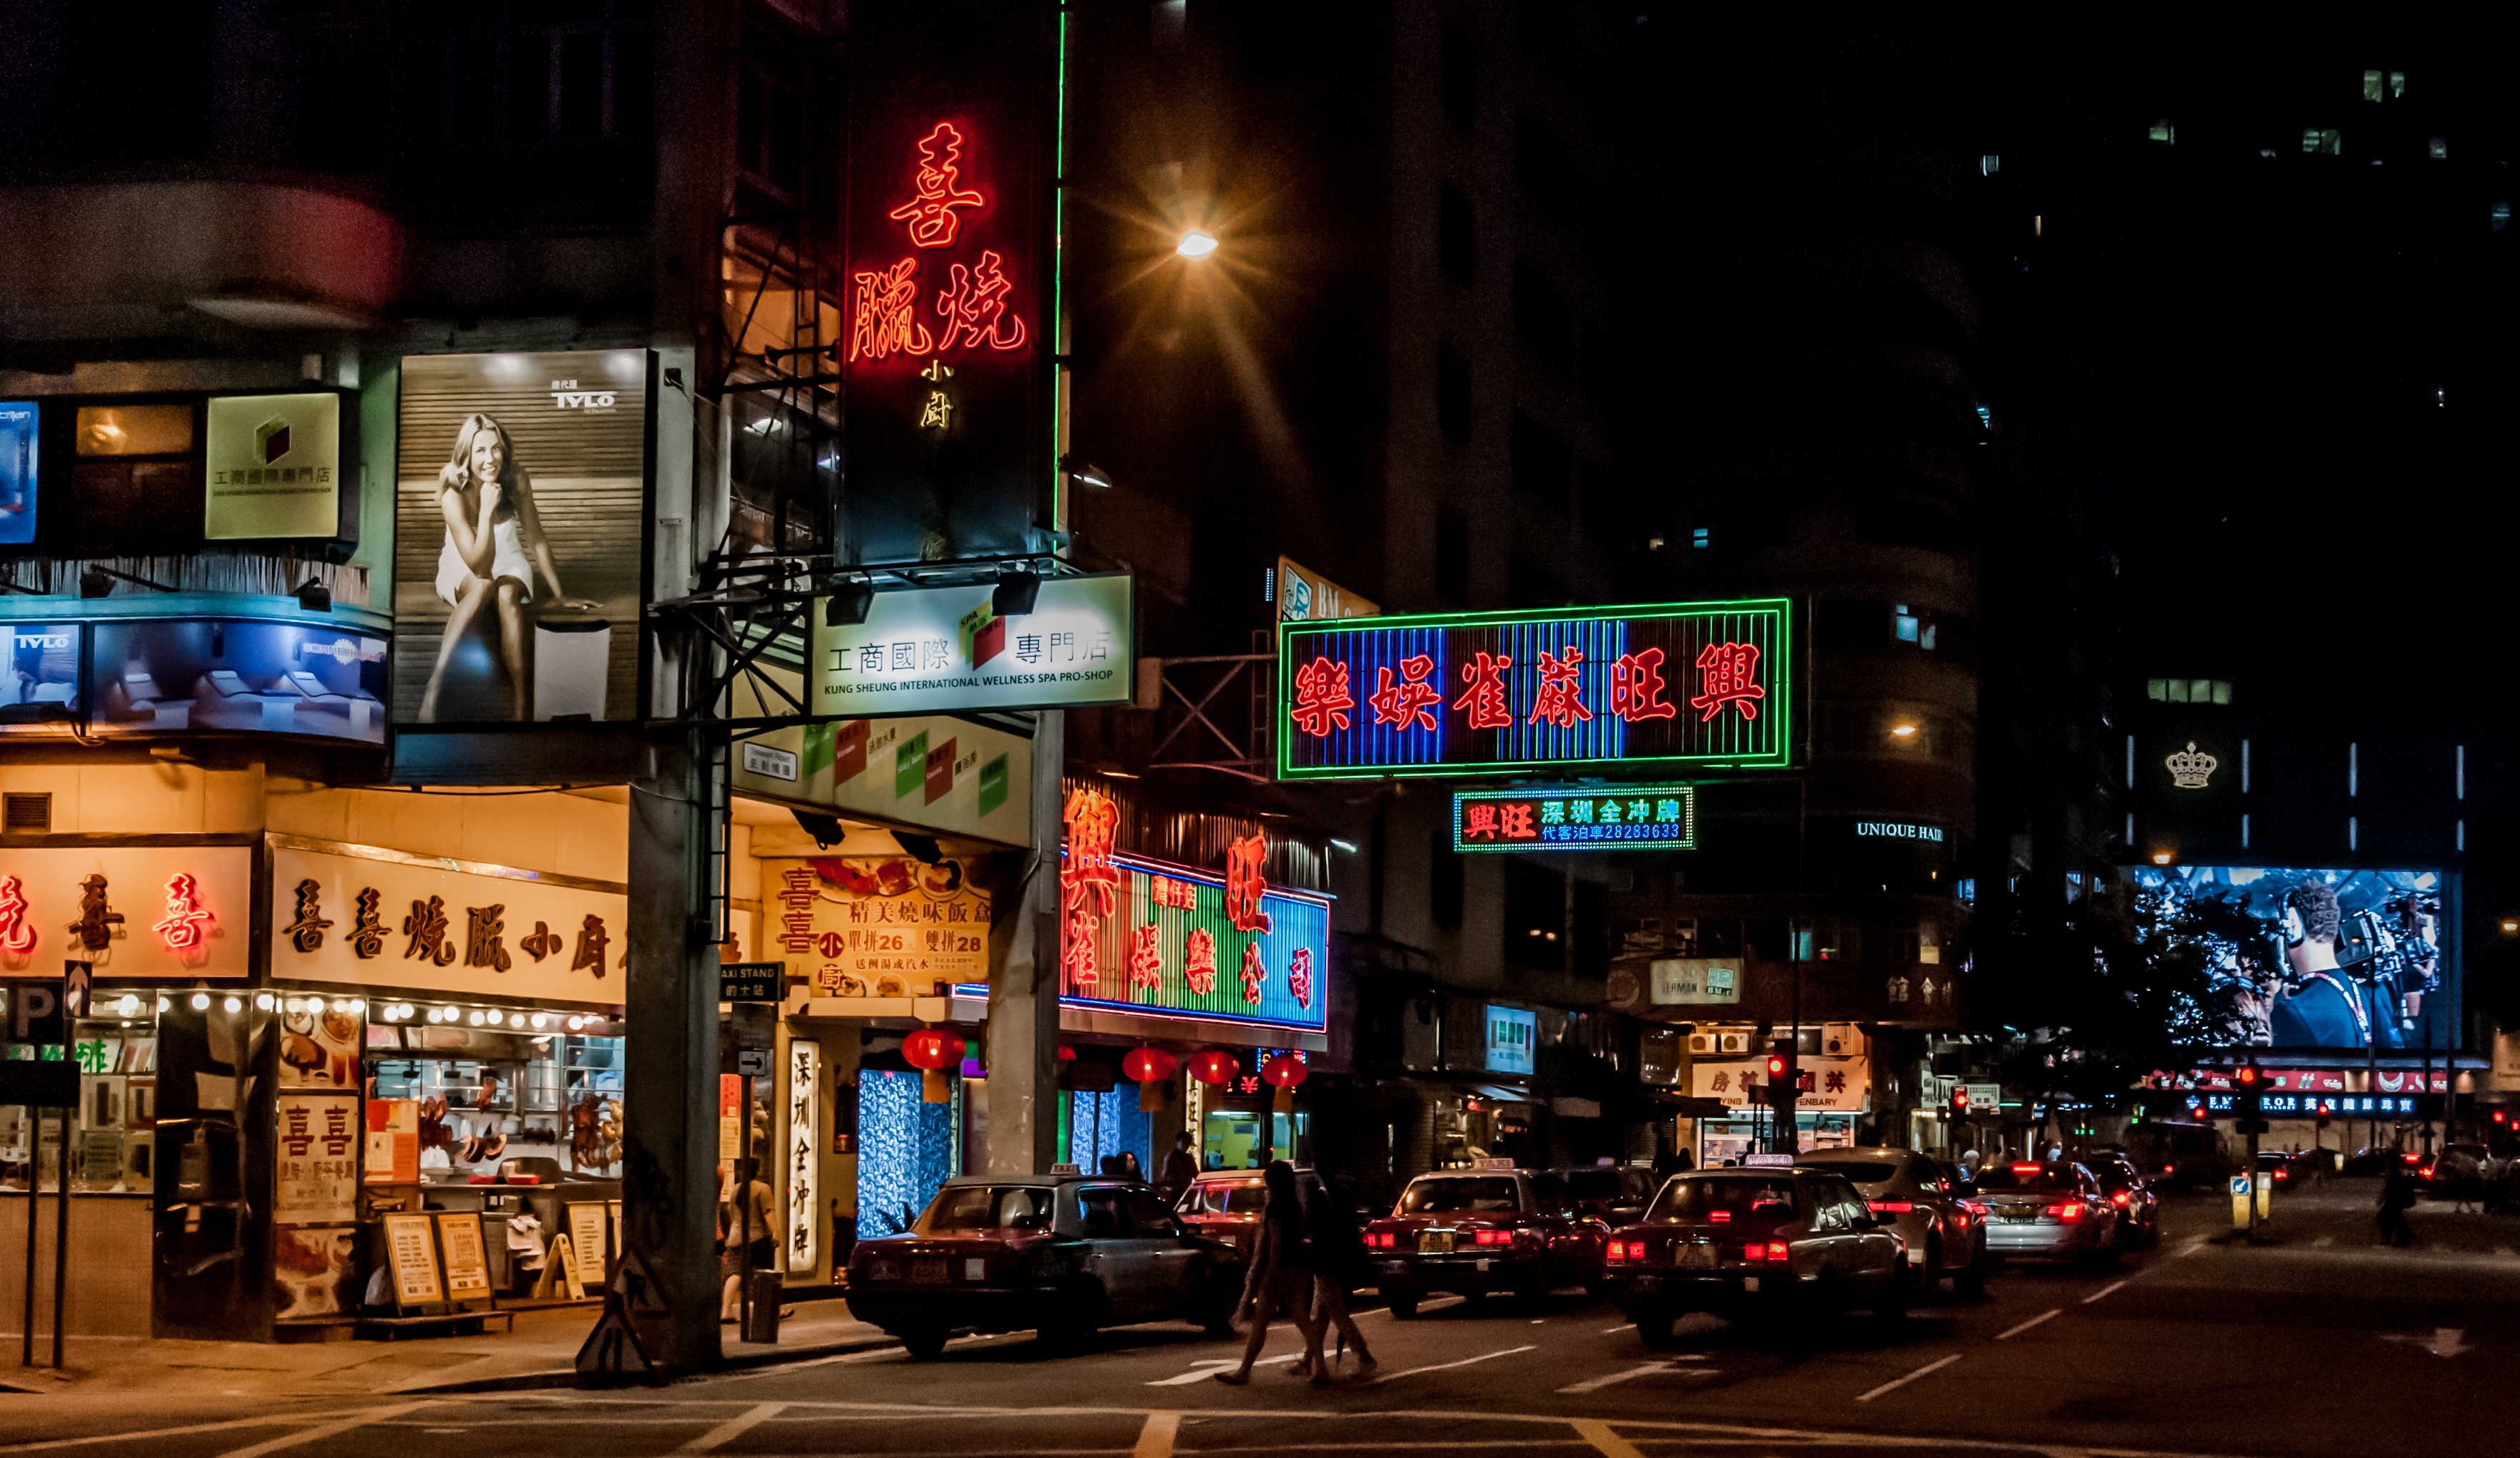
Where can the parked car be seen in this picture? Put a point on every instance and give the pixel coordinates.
(1225, 1204)
(1747, 1243)
(1062, 1253)
(1469, 1232)
(2139, 1207)
(2180, 1155)
(2458, 1172)
(1945, 1232)
(1612, 1194)
(2042, 1209)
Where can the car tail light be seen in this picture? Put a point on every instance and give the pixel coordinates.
(1891, 1207)
(1754, 1252)
(2070, 1212)
(1976, 1208)
(1622, 1251)
(1487, 1237)
(2025, 1169)
(1719, 1218)
(1778, 1251)
(2119, 1199)
(1524, 1235)
(2170, 1169)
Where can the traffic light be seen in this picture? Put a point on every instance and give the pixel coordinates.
(1959, 1100)
(2326, 1108)
(2250, 1081)
(1775, 1069)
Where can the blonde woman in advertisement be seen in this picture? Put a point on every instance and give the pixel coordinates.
(494, 542)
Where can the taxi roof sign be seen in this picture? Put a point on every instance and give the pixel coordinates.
(1767, 1162)
(1068, 1169)
(1496, 1164)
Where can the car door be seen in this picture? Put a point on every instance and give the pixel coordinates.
(1168, 1259)
(1114, 1252)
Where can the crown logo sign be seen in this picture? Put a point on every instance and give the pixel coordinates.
(2189, 768)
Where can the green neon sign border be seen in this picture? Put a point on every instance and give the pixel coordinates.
(1782, 758)
(1688, 840)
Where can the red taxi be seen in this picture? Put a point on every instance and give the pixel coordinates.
(1755, 1241)
(1494, 1228)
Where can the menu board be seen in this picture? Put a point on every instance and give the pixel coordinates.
(412, 1252)
(467, 1262)
(316, 1172)
(588, 1227)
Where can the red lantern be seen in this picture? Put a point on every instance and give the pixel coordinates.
(929, 1048)
(1215, 1067)
(1067, 1054)
(1148, 1065)
(1285, 1071)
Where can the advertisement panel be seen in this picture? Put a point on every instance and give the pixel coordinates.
(944, 650)
(151, 675)
(21, 434)
(1826, 1085)
(42, 682)
(946, 331)
(875, 926)
(2308, 958)
(1615, 817)
(1513, 1034)
(1306, 596)
(366, 917)
(931, 771)
(1694, 981)
(520, 537)
(1705, 684)
(1145, 935)
(135, 911)
(273, 467)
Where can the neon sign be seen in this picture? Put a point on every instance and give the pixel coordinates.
(1173, 927)
(187, 923)
(17, 936)
(938, 185)
(1576, 686)
(1614, 817)
(976, 302)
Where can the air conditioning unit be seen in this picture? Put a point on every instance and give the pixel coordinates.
(1701, 1043)
(1733, 1042)
(1841, 1039)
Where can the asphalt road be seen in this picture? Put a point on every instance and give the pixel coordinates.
(2318, 1345)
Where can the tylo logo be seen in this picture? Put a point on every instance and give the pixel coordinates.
(566, 396)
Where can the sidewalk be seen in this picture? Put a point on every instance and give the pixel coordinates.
(540, 1353)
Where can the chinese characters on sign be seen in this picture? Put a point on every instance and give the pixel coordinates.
(946, 649)
(1565, 687)
(975, 304)
(1175, 928)
(316, 1169)
(879, 927)
(1626, 817)
(426, 927)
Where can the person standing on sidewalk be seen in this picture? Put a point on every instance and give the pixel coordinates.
(1181, 1167)
(1280, 1276)
(2397, 1195)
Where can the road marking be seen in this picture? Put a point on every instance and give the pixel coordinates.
(1896, 1382)
(732, 1428)
(2027, 1325)
(1613, 1331)
(2195, 1244)
(275, 1420)
(1448, 1366)
(305, 1435)
(1598, 1435)
(1205, 1366)
(1155, 1439)
(1596, 1383)
(2502, 1251)
(2322, 1242)
(2103, 1291)
(2444, 1341)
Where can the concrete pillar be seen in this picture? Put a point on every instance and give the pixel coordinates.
(1023, 996)
(669, 1082)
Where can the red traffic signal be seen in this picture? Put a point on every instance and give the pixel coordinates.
(1776, 1067)
(2246, 1077)
(2498, 1116)
(1960, 1102)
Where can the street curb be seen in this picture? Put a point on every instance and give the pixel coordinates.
(571, 1377)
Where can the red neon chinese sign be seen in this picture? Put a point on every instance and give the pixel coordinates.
(938, 190)
(1560, 700)
(978, 299)
(1089, 880)
(1635, 687)
(187, 923)
(1244, 883)
(976, 307)
(17, 936)
(1321, 697)
(1412, 698)
(1731, 678)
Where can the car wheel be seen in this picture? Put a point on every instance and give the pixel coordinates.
(923, 1343)
(1403, 1304)
(1654, 1328)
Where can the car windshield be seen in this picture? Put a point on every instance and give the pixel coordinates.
(2042, 1179)
(1723, 1196)
(1862, 1171)
(1427, 1197)
(1230, 1198)
(1593, 1184)
(988, 1208)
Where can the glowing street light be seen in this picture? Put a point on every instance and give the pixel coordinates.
(1194, 245)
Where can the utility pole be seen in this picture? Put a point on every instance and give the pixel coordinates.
(1023, 997)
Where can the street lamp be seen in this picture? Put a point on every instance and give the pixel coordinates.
(1194, 245)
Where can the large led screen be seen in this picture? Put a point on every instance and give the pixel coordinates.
(2309, 958)
(519, 523)
(151, 675)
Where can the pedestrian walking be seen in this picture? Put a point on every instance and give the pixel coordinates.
(1280, 1276)
(1181, 1167)
(1338, 1265)
(2397, 1195)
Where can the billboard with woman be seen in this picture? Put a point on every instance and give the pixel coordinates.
(519, 516)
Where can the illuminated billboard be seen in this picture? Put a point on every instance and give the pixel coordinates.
(947, 650)
(2309, 958)
(148, 676)
(1599, 817)
(1708, 685)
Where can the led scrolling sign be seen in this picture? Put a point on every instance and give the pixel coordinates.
(1703, 684)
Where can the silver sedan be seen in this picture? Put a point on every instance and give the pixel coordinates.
(1945, 1234)
(2051, 1210)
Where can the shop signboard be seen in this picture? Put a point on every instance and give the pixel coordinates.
(411, 1252)
(1598, 818)
(1306, 596)
(150, 676)
(1512, 1033)
(948, 288)
(467, 1262)
(273, 467)
(931, 771)
(876, 926)
(1147, 936)
(21, 434)
(134, 911)
(1985, 1100)
(946, 649)
(1704, 684)
(1695, 981)
(519, 516)
(41, 683)
(1828, 1086)
(750, 981)
(805, 1145)
(2311, 958)
(368, 917)
(316, 1165)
